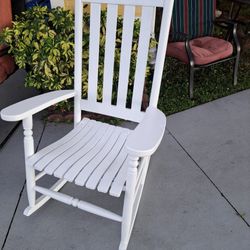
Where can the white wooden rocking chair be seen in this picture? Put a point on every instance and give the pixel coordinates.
(94, 154)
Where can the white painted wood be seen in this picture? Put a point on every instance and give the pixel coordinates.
(98, 155)
(127, 38)
(89, 142)
(94, 155)
(109, 53)
(112, 110)
(86, 206)
(141, 174)
(153, 23)
(146, 168)
(106, 163)
(138, 193)
(142, 56)
(156, 3)
(78, 61)
(110, 174)
(43, 199)
(119, 180)
(162, 47)
(28, 137)
(95, 161)
(135, 209)
(29, 151)
(128, 202)
(153, 125)
(94, 41)
(58, 157)
(79, 165)
(70, 150)
(74, 133)
(57, 152)
(28, 107)
(94, 135)
(67, 199)
(57, 3)
(98, 211)
(39, 176)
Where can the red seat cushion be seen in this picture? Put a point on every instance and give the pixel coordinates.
(205, 50)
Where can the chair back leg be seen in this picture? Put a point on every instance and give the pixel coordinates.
(191, 82)
(236, 65)
(235, 72)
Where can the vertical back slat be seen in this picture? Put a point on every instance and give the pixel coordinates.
(94, 41)
(78, 61)
(109, 53)
(127, 38)
(160, 58)
(153, 23)
(142, 56)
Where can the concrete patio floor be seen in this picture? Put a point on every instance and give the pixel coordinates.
(196, 196)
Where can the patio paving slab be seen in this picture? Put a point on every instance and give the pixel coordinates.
(180, 210)
(12, 173)
(217, 136)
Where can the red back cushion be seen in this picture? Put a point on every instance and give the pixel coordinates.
(5, 15)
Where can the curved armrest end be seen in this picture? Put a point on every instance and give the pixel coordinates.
(33, 105)
(147, 136)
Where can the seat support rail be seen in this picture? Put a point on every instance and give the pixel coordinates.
(83, 205)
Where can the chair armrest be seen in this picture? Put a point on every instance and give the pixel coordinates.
(225, 23)
(147, 136)
(229, 25)
(28, 107)
(231, 35)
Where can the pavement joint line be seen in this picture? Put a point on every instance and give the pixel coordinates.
(212, 182)
(5, 140)
(21, 193)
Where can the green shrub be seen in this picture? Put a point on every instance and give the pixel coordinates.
(42, 42)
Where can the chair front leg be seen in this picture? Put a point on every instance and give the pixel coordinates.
(191, 68)
(127, 215)
(235, 73)
(29, 151)
(238, 50)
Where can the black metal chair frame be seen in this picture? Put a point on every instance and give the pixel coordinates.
(234, 12)
(231, 26)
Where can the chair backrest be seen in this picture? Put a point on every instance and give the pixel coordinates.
(5, 14)
(105, 106)
(193, 17)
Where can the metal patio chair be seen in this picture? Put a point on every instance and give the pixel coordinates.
(192, 40)
(96, 155)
